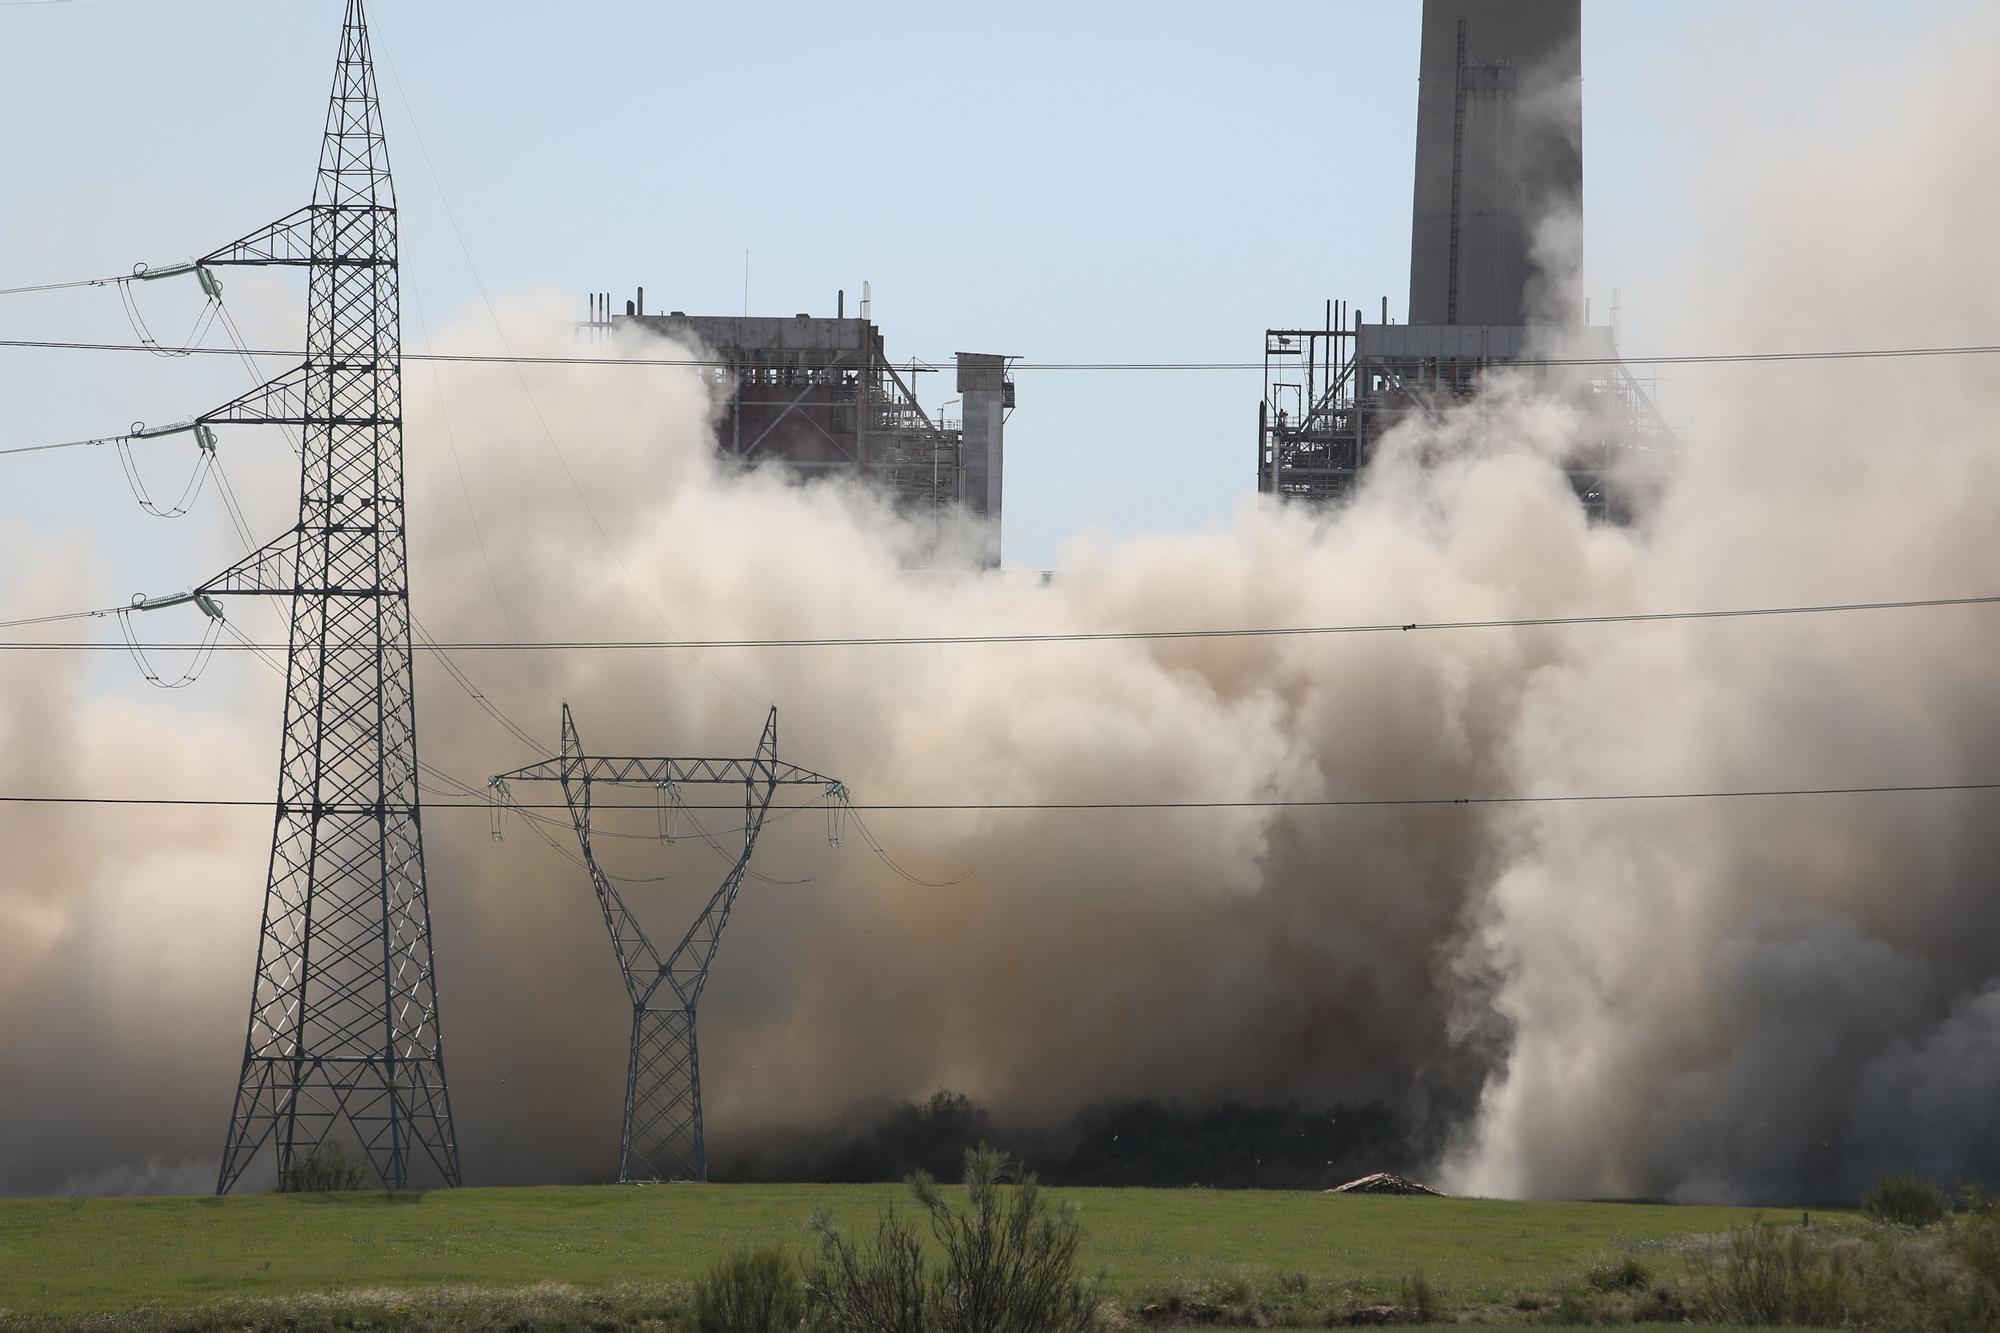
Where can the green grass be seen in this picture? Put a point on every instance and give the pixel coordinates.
(70, 1257)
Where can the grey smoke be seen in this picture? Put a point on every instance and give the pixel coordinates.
(1770, 999)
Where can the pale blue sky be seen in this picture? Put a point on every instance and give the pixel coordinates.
(1061, 181)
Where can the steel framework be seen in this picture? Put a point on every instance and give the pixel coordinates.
(343, 1006)
(1332, 393)
(822, 397)
(661, 1136)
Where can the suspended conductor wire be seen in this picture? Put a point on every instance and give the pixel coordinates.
(716, 846)
(197, 480)
(236, 340)
(62, 616)
(477, 695)
(1092, 807)
(1119, 636)
(451, 785)
(882, 854)
(65, 286)
(509, 358)
(777, 816)
(232, 506)
(472, 516)
(527, 392)
(196, 667)
(63, 444)
(267, 658)
(186, 346)
(501, 799)
(230, 503)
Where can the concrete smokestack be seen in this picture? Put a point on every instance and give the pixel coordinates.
(1499, 155)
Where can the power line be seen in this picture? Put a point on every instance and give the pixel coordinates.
(66, 615)
(1692, 359)
(1351, 803)
(548, 434)
(1081, 636)
(471, 514)
(65, 444)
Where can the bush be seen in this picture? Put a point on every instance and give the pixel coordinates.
(1772, 1275)
(1417, 1298)
(326, 1168)
(752, 1291)
(1906, 1201)
(1977, 1246)
(1009, 1264)
(1621, 1274)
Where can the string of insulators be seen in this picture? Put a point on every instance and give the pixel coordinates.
(498, 798)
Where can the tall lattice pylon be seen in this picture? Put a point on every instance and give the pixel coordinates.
(661, 1138)
(343, 1009)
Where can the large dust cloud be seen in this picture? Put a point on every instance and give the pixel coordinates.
(1717, 999)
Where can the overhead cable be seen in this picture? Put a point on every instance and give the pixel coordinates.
(1104, 636)
(1332, 803)
(509, 358)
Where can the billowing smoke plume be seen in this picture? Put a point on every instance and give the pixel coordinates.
(1758, 998)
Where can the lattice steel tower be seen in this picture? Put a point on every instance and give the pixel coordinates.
(661, 1137)
(343, 1010)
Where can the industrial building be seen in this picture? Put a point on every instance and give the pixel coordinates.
(1496, 240)
(821, 396)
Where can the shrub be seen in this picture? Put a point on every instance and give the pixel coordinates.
(752, 1291)
(1418, 1300)
(1977, 1246)
(1621, 1274)
(1009, 1264)
(1906, 1201)
(326, 1168)
(1771, 1275)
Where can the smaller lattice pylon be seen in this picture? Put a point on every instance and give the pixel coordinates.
(661, 1137)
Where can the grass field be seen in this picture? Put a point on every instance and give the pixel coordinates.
(72, 1257)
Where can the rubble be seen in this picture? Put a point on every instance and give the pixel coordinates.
(1386, 1182)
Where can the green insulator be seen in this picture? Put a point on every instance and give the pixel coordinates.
(145, 274)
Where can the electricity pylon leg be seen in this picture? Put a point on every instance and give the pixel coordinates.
(662, 1138)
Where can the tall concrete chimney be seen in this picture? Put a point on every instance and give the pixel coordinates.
(1499, 151)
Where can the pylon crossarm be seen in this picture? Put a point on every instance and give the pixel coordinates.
(271, 569)
(638, 771)
(279, 402)
(289, 240)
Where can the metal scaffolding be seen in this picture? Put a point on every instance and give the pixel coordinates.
(661, 1135)
(1498, 185)
(1333, 393)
